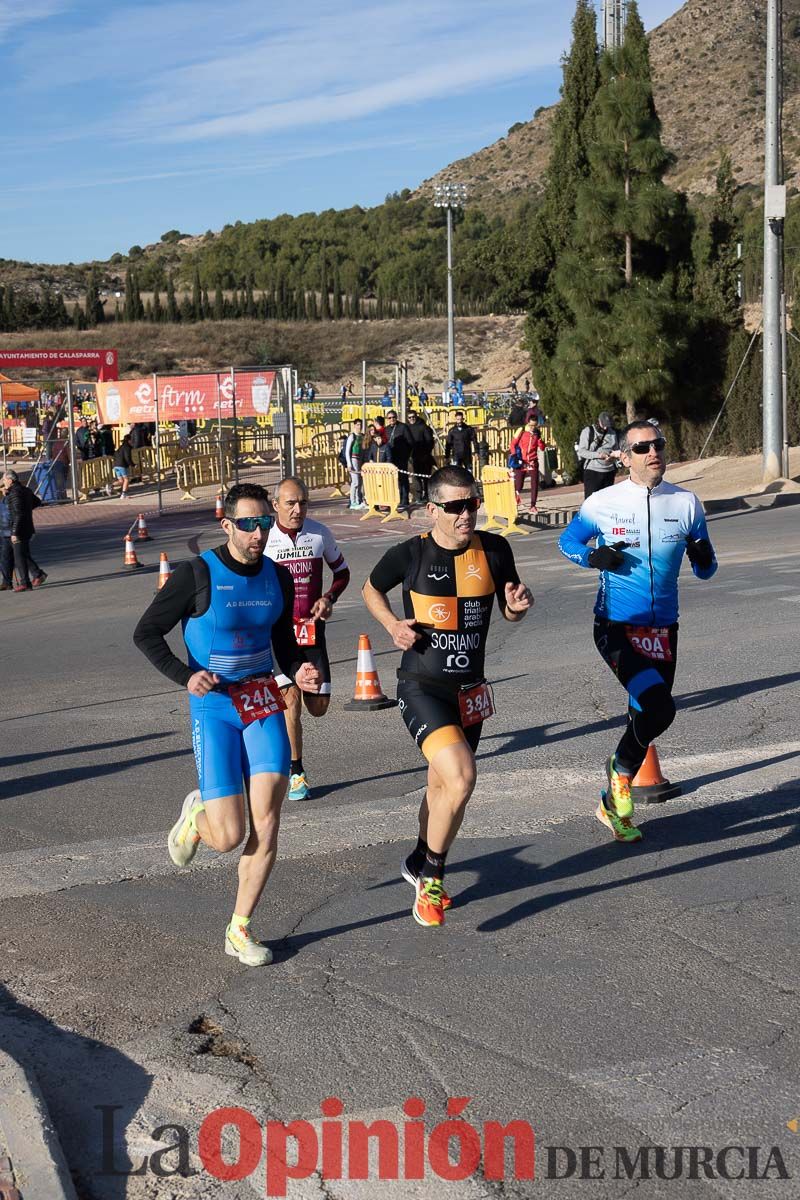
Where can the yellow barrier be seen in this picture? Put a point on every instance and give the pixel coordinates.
(382, 489)
(325, 470)
(144, 459)
(201, 469)
(94, 474)
(500, 500)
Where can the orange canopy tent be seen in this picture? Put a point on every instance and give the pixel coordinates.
(13, 391)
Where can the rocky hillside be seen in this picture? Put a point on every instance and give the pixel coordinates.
(708, 64)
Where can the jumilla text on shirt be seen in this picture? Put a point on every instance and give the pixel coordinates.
(232, 1144)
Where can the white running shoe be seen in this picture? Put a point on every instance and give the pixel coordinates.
(241, 944)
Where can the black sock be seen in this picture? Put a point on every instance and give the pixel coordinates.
(417, 855)
(297, 766)
(433, 867)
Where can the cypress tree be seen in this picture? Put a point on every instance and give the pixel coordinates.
(157, 314)
(172, 308)
(716, 284)
(94, 306)
(337, 293)
(619, 275)
(205, 306)
(197, 296)
(219, 302)
(129, 311)
(249, 300)
(553, 224)
(324, 303)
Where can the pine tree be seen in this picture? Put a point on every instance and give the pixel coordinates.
(549, 314)
(172, 308)
(619, 274)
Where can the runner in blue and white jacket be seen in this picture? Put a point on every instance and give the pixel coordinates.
(642, 528)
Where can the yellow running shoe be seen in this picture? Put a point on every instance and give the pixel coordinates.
(619, 789)
(240, 943)
(622, 828)
(183, 838)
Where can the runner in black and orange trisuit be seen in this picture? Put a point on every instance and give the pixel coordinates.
(450, 578)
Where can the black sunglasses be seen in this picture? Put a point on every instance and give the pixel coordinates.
(469, 504)
(645, 447)
(251, 524)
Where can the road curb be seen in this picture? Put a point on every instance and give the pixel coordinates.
(39, 1169)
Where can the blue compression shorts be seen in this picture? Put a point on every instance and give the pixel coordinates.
(226, 750)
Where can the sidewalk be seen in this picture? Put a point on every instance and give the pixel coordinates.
(32, 1164)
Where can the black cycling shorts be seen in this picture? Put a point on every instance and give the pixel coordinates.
(318, 656)
(433, 718)
(623, 648)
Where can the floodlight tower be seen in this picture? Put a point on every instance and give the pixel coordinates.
(615, 14)
(450, 196)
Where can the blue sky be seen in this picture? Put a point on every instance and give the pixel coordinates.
(125, 120)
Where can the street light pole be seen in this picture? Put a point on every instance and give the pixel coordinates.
(774, 214)
(450, 196)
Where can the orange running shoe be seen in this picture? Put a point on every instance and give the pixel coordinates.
(427, 908)
(408, 873)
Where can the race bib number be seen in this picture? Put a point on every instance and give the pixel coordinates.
(476, 704)
(306, 633)
(257, 698)
(652, 642)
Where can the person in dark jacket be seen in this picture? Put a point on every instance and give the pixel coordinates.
(123, 464)
(21, 502)
(400, 446)
(83, 439)
(460, 443)
(421, 436)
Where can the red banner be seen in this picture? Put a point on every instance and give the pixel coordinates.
(102, 361)
(182, 397)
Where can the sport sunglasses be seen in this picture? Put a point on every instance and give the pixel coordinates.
(251, 524)
(469, 504)
(645, 447)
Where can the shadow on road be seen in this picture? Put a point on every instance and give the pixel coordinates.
(15, 759)
(62, 776)
(76, 1074)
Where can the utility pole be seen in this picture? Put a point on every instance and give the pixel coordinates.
(615, 13)
(774, 214)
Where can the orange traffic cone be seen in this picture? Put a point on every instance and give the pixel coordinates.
(219, 507)
(130, 553)
(142, 535)
(164, 570)
(649, 785)
(368, 693)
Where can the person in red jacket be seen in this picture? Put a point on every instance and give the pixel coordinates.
(525, 446)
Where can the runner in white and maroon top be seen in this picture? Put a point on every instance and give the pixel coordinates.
(302, 546)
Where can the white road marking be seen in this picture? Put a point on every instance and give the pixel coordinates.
(507, 803)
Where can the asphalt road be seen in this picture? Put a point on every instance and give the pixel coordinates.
(609, 996)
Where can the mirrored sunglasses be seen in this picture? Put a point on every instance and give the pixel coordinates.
(251, 524)
(645, 447)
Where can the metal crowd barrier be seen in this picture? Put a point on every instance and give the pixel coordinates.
(94, 474)
(199, 470)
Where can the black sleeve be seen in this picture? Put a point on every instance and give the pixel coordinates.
(501, 561)
(290, 656)
(184, 595)
(392, 568)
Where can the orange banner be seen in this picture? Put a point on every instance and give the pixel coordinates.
(182, 397)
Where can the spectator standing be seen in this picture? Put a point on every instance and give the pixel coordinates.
(6, 549)
(423, 396)
(595, 449)
(421, 436)
(139, 436)
(460, 443)
(525, 447)
(386, 399)
(83, 439)
(354, 451)
(400, 447)
(123, 464)
(21, 503)
(378, 448)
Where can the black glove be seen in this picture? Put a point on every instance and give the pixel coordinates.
(699, 553)
(607, 558)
